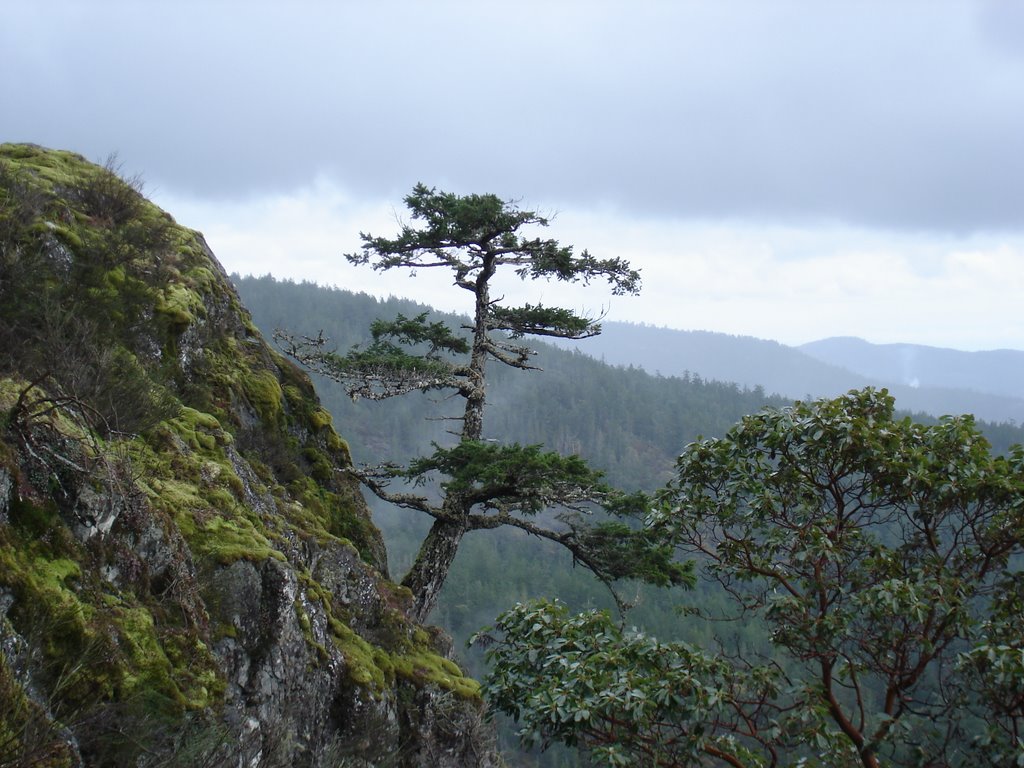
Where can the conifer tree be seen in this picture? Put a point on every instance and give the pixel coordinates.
(485, 484)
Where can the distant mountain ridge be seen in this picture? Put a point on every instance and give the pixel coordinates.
(998, 372)
(923, 379)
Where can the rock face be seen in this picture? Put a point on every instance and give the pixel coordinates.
(187, 574)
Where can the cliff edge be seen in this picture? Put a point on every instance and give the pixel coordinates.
(186, 577)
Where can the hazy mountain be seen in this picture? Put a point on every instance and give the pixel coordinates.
(936, 381)
(999, 372)
(746, 360)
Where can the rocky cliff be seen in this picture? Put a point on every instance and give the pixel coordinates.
(187, 574)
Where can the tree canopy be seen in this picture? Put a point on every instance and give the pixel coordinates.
(481, 484)
(883, 559)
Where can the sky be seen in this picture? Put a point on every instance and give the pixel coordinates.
(779, 169)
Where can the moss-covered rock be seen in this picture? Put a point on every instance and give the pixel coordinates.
(185, 567)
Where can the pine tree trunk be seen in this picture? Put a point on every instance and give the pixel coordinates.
(434, 560)
(473, 420)
(428, 573)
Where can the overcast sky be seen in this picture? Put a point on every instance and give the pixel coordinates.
(786, 170)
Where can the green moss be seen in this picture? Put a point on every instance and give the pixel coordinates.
(196, 669)
(51, 168)
(200, 493)
(295, 380)
(365, 665)
(374, 667)
(329, 516)
(199, 419)
(42, 571)
(100, 646)
(335, 442)
(320, 468)
(146, 665)
(400, 597)
(201, 431)
(174, 671)
(180, 305)
(54, 574)
(69, 237)
(228, 541)
(201, 279)
(346, 523)
(236, 485)
(264, 393)
(137, 645)
(306, 626)
(115, 278)
(303, 617)
(320, 418)
(426, 667)
(305, 519)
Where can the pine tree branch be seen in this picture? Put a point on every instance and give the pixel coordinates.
(377, 479)
(521, 355)
(379, 372)
(537, 320)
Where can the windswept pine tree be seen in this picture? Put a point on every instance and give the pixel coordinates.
(485, 484)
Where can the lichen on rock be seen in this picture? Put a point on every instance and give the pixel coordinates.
(187, 573)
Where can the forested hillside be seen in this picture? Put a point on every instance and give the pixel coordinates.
(922, 379)
(624, 420)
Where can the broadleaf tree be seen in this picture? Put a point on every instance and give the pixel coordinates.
(881, 557)
(483, 484)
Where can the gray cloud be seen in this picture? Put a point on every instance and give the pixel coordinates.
(905, 115)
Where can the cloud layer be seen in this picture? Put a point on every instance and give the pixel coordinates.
(788, 170)
(785, 283)
(907, 115)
